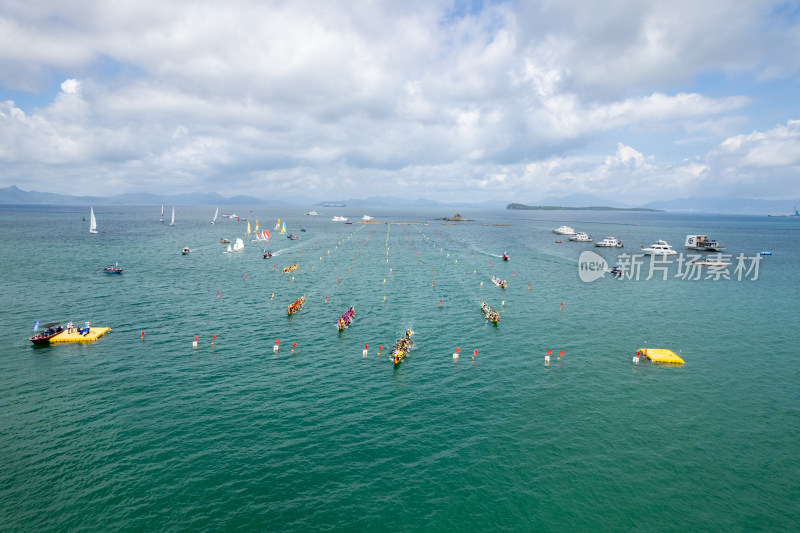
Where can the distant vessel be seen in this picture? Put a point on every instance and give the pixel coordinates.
(776, 215)
(92, 221)
(702, 243)
(711, 262)
(564, 230)
(609, 242)
(339, 219)
(659, 248)
(162, 213)
(172, 222)
(796, 213)
(113, 269)
(312, 214)
(216, 213)
(366, 217)
(581, 237)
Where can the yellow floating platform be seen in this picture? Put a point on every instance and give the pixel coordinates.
(93, 335)
(661, 355)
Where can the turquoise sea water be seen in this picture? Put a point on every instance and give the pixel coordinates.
(132, 434)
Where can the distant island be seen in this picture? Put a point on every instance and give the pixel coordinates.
(457, 218)
(562, 208)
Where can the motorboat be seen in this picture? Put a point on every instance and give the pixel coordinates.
(617, 271)
(581, 237)
(504, 257)
(702, 243)
(339, 219)
(113, 269)
(564, 230)
(609, 242)
(292, 236)
(50, 330)
(224, 241)
(312, 214)
(490, 313)
(185, 250)
(659, 248)
(499, 282)
(711, 262)
(366, 218)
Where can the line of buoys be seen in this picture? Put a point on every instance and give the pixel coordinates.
(275, 348)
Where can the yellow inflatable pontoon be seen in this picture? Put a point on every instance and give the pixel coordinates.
(661, 355)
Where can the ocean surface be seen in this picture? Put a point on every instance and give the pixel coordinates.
(150, 434)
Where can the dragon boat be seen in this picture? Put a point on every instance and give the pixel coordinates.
(499, 282)
(401, 347)
(293, 308)
(290, 268)
(490, 313)
(346, 318)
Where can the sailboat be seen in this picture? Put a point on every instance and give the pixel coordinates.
(92, 221)
(216, 213)
(172, 222)
(248, 228)
(162, 213)
(283, 228)
(278, 225)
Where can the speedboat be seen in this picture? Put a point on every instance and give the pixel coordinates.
(702, 243)
(312, 214)
(581, 237)
(564, 230)
(659, 248)
(267, 254)
(504, 257)
(339, 219)
(609, 242)
(113, 269)
(185, 250)
(366, 218)
(224, 241)
(50, 330)
(617, 271)
(292, 236)
(711, 262)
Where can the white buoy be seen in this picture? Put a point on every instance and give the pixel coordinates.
(546, 360)
(455, 355)
(365, 350)
(194, 342)
(275, 348)
(635, 360)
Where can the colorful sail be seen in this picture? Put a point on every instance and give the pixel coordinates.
(248, 228)
(283, 228)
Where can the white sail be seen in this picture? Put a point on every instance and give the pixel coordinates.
(216, 213)
(172, 223)
(92, 221)
(239, 245)
(162, 213)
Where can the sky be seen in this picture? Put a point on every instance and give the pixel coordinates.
(517, 101)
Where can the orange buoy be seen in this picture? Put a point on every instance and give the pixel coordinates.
(142, 335)
(294, 345)
(275, 348)
(455, 355)
(194, 342)
(365, 350)
(213, 338)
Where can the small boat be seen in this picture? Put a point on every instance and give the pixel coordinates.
(617, 271)
(290, 268)
(172, 222)
(229, 215)
(659, 248)
(162, 213)
(609, 242)
(564, 230)
(92, 221)
(224, 241)
(499, 282)
(702, 243)
(490, 313)
(267, 254)
(765, 253)
(113, 269)
(559, 242)
(710, 262)
(296, 305)
(402, 347)
(185, 250)
(346, 318)
(49, 331)
(312, 214)
(366, 218)
(581, 237)
(505, 257)
(339, 219)
(216, 214)
(303, 230)
(292, 236)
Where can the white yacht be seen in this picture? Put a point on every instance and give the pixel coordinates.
(581, 237)
(339, 219)
(564, 230)
(609, 242)
(366, 218)
(312, 214)
(659, 248)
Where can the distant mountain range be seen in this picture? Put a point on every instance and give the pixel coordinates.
(15, 195)
(564, 208)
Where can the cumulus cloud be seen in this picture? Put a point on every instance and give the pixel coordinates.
(360, 99)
